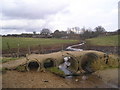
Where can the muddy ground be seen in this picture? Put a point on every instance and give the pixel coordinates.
(106, 49)
(34, 50)
(56, 48)
(33, 79)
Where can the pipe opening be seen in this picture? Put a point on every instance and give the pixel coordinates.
(48, 63)
(71, 63)
(33, 65)
(87, 60)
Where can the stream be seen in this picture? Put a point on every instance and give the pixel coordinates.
(88, 79)
(66, 63)
(72, 48)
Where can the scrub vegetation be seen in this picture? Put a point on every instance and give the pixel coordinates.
(113, 62)
(21, 68)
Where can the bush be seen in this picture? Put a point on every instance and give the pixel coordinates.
(21, 68)
(113, 62)
(3, 70)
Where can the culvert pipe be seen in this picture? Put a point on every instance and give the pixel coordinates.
(49, 62)
(73, 64)
(33, 65)
(72, 59)
(86, 60)
(78, 60)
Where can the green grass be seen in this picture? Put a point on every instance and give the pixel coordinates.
(56, 71)
(6, 59)
(104, 41)
(25, 42)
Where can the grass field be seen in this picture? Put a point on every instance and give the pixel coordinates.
(104, 41)
(25, 42)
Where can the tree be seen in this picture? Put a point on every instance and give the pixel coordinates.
(57, 34)
(45, 31)
(99, 30)
(34, 32)
(77, 30)
(86, 33)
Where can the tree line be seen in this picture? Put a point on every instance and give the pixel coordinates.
(70, 33)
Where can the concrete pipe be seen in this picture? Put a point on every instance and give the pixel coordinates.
(33, 65)
(72, 59)
(74, 64)
(86, 60)
(49, 62)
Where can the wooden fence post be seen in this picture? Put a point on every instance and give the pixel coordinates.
(9, 51)
(8, 46)
(39, 48)
(62, 47)
(18, 51)
(29, 50)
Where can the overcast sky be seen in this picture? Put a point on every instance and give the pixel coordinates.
(20, 16)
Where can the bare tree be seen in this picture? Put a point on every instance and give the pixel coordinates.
(45, 31)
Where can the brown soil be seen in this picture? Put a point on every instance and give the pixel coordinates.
(35, 50)
(14, 79)
(106, 49)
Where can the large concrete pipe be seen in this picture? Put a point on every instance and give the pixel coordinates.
(79, 60)
(88, 58)
(74, 64)
(86, 61)
(49, 62)
(33, 65)
(52, 60)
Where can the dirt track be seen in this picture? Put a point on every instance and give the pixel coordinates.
(14, 79)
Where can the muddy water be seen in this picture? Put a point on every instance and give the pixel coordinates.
(91, 81)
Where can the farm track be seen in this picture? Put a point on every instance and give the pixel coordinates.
(14, 79)
(13, 64)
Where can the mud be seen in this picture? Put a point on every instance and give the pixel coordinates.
(105, 49)
(34, 50)
(15, 79)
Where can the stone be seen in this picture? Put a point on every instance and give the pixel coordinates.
(76, 80)
(84, 78)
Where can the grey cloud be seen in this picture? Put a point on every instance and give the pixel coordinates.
(26, 28)
(19, 9)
